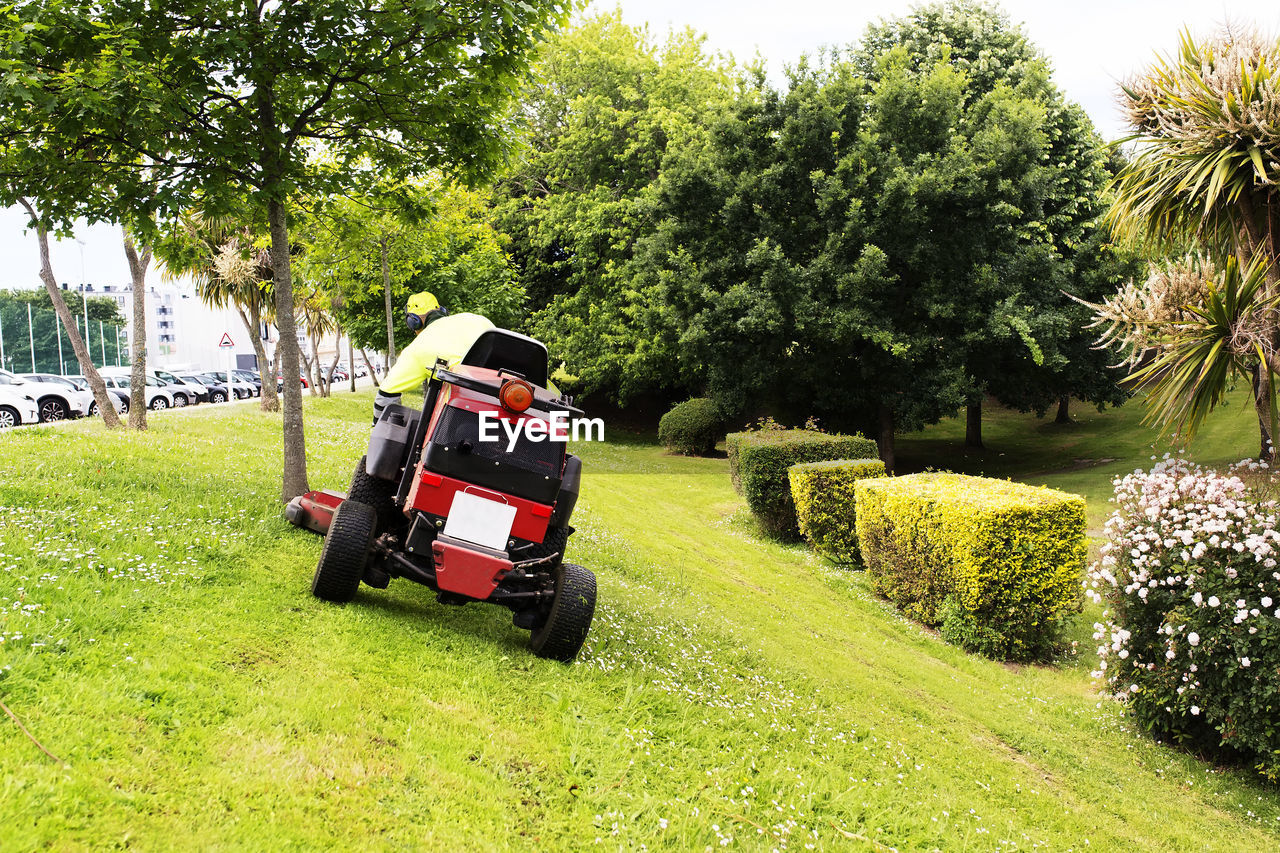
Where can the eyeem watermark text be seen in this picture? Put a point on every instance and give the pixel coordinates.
(559, 428)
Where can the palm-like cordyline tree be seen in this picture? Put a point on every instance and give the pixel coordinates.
(229, 270)
(318, 320)
(1206, 172)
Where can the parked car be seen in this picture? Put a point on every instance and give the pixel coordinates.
(121, 397)
(57, 402)
(17, 407)
(67, 382)
(243, 390)
(180, 395)
(212, 381)
(280, 383)
(211, 391)
(250, 377)
(157, 396)
(178, 387)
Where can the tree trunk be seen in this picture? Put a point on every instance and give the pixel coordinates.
(373, 374)
(270, 401)
(337, 354)
(973, 425)
(386, 290)
(317, 379)
(351, 363)
(138, 334)
(885, 437)
(1262, 406)
(106, 404)
(1064, 410)
(294, 477)
(305, 366)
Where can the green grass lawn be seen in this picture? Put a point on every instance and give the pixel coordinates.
(1081, 457)
(160, 638)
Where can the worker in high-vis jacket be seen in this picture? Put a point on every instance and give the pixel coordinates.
(440, 335)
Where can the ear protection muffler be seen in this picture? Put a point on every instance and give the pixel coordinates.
(416, 321)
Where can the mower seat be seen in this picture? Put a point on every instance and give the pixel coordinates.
(499, 349)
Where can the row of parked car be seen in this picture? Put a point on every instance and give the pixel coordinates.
(42, 397)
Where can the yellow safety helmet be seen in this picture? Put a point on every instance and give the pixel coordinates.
(419, 309)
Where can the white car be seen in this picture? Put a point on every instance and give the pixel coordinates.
(75, 384)
(184, 393)
(179, 393)
(56, 402)
(157, 396)
(17, 407)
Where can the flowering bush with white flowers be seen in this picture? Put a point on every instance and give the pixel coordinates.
(1192, 635)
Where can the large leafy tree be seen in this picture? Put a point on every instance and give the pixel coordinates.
(246, 95)
(1033, 350)
(66, 85)
(850, 243)
(369, 253)
(1205, 173)
(610, 105)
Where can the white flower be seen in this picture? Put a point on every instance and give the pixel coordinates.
(1213, 601)
(1245, 661)
(1195, 710)
(1193, 638)
(1266, 601)
(1197, 599)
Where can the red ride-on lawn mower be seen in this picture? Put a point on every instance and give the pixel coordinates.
(474, 520)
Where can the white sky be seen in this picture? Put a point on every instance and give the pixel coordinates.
(1092, 44)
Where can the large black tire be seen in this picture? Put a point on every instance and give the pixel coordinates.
(345, 553)
(569, 620)
(377, 493)
(217, 397)
(9, 417)
(555, 542)
(179, 401)
(52, 409)
(158, 404)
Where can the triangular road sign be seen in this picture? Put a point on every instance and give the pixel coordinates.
(226, 340)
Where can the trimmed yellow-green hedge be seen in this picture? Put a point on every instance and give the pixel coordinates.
(996, 565)
(758, 462)
(823, 493)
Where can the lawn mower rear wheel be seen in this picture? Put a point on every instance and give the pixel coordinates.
(377, 493)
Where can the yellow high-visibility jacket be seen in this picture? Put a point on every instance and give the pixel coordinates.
(449, 338)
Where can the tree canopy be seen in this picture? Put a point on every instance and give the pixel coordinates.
(233, 100)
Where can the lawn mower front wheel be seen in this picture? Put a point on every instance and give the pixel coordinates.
(561, 636)
(345, 553)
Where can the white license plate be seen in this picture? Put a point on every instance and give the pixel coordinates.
(480, 520)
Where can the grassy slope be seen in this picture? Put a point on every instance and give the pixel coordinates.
(732, 688)
(1080, 457)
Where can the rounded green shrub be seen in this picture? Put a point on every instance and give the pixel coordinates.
(692, 427)
(823, 493)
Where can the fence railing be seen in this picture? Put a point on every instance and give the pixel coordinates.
(33, 340)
